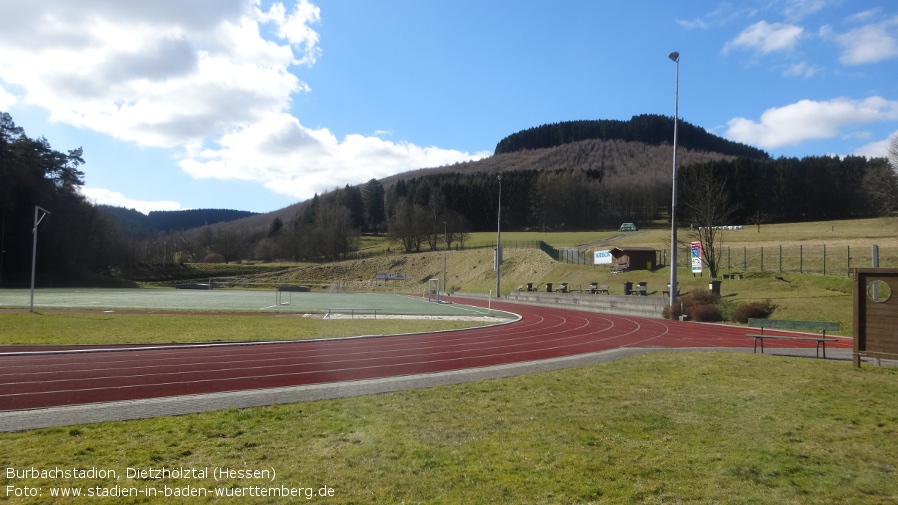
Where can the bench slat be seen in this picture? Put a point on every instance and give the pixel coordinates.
(786, 324)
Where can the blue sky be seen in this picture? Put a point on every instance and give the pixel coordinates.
(255, 105)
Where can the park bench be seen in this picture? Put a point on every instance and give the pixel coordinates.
(595, 288)
(733, 275)
(785, 324)
(641, 289)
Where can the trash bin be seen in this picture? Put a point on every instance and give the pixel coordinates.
(548, 287)
(529, 287)
(714, 287)
(628, 288)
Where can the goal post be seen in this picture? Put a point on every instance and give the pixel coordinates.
(433, 290)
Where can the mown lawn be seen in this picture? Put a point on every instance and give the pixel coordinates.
(98, 328)
(668, 427)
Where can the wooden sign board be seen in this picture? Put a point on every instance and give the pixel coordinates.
(875, 313)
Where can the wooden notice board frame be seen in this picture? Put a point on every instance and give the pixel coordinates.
(875, 313)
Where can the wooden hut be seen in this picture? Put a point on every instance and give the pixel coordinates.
(634, 258)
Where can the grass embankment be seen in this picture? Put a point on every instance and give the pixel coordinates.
(808, 296)
(662, 428)
(94, 328)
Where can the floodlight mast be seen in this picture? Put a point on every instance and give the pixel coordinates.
(675, 57)
(37, 221)
(499, 240)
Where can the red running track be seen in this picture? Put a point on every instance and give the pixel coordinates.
(53, 379)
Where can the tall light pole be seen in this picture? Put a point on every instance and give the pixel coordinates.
(445, 252)
(499, 240)
(675, 56)
(34, 249)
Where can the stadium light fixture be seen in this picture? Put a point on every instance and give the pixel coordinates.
(675, 57)
(37, 221)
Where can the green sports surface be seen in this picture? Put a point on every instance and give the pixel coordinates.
(230, 300)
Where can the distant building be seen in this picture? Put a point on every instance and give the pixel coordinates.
(635, 258)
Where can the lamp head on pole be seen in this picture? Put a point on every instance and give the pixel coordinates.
(675, 56)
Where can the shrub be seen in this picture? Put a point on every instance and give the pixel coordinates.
(753, 310)
(213, 258)
(687, 303)
(706, 313)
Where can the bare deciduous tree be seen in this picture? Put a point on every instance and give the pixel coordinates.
(893, 152)
(707, 203)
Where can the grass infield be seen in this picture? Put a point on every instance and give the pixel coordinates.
(668, 427)
(108, 329)
(106, 319)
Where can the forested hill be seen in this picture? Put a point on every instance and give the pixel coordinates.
(135, 224)
(651, 129)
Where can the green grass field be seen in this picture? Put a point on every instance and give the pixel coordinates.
(669, 427)
(52, 328)
(239, 315)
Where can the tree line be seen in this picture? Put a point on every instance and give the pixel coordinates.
(137, 224)
(76, 240)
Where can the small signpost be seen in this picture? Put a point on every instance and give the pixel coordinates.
(696, 255)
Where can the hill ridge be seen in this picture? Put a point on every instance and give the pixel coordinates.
(651, 129)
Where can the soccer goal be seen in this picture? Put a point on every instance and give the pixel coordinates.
(433, 290)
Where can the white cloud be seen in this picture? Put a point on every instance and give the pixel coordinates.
(798, 9)
(214, 80)
(107, 197)
(766, 38)
(878, 149)
(802, 69)
(293, 160)
(723, 15)
(158, 75)
(6, 99)
(808, 119)
(869, 43)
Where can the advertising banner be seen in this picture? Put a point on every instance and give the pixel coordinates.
(603, 258)
(696, 257)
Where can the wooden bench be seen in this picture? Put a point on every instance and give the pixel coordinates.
(733, 275)
(594, 288)
(785, 324)
(620, 268)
